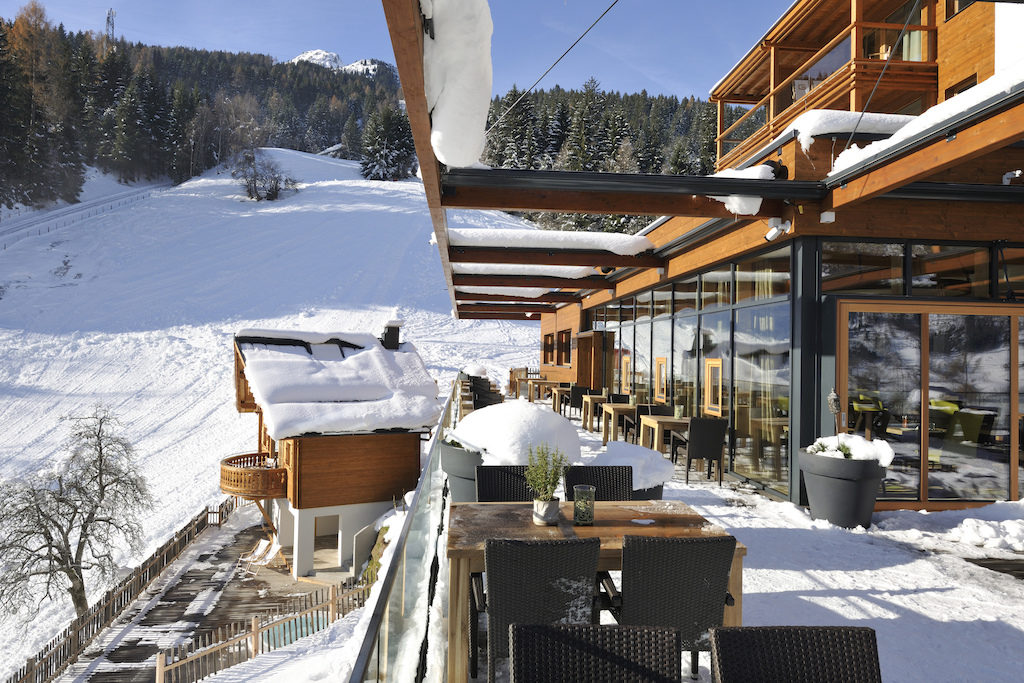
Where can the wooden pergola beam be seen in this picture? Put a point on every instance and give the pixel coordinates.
(595, 201)
(934, 157)
(544, 281)
(502, 308)
(549, 298)
(499, 316)
(552, 257)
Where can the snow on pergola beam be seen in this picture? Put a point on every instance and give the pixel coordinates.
(506, 308)
(549, 298)
(560, 257)
(545, 281)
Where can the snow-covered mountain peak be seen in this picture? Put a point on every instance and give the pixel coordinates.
(331, 60)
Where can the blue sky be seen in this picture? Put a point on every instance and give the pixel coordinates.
(673, 47)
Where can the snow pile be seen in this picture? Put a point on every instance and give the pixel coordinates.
(332, 388)
(859, 447)
(505, 432)
(517, 269)
(457, 78)
(475, 370)
(815, 122)
(624, 245)
(1009, 81)
(744, 205)
(650, 468)
(1005, 535)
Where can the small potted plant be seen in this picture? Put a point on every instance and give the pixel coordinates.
(544, 471)
(842, 474)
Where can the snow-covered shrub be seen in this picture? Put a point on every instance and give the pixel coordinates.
(853, 447)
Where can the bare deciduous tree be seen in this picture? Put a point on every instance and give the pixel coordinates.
(61, 527)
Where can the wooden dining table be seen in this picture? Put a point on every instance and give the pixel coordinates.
(610, 413)
(471, 524)
(652, 429)
(556, 397)
(591, 404)
(538, 385)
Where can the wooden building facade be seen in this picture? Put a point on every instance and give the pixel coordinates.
(893, 279)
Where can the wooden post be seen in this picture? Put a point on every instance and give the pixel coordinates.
(333, 610)
(161, 659)
(255, 636)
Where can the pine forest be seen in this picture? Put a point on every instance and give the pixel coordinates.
(77, 99)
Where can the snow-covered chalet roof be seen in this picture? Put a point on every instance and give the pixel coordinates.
(336, 383)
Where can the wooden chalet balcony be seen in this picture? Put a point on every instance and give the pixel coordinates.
(253, 476)
(836, 76)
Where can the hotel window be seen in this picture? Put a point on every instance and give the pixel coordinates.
(663, 301)
(956, 6)
(685, 298)
(862, 268)
(549, 349)
(716, 287)
(950, 271)
(564, 347)
(764, 276)
(960, 87)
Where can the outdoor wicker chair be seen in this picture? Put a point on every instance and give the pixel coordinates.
(502, 483)
(574, 401)
(536, 582)
(611, 482)
(674, 582)
(796, 654)
(551, 653)
(494, 484)
(704, 441)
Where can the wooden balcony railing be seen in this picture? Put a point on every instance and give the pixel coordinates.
(253, 476)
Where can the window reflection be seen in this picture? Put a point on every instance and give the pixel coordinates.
(951, 271)
(764, 276)
(761, 374)
(862, 268)
(716, 287)
(684, 365)
(685, 298)
(968, 407)
(642, 362)
(715, 343)
(884, 393)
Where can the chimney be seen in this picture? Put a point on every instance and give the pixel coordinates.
(390, 339)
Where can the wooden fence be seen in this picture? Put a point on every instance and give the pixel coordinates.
(60, 652)
(224, 647)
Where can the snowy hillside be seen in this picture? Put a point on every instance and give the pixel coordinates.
(331, 60)
(135, 309)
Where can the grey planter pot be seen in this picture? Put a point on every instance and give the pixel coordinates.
(840, 490)
(460, 466)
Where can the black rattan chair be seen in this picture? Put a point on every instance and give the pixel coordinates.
(612, 482)
(674, 582)
(542, 653)
(536, 582)
(502, 483)
(796, 654)
(704, 441)
(575, 399)
(494, 484)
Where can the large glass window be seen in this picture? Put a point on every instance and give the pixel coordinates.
(862, 268)
(685, 298)
(884, 392)
(715, 343)
(661, 364)
(1010, 274)
(642, 364)
(761, 374)
(643, 306)
(684, 364)
(716, 287)
(764, 276)
(624, 360)
(663, 301)
(950, 271)
(968, 407)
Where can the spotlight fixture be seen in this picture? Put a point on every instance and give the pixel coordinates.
(607, 269)
(778, 228)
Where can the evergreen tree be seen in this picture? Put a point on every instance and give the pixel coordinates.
(351, 141)
(318, 126)
(14, 124)
(388, 149)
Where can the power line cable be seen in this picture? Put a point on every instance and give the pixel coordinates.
(888, 59)
(553, 65)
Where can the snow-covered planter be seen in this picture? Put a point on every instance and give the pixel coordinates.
(651, 469)
(505, 432)
(842, 474)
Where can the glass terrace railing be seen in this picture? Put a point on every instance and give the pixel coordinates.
(395, 644)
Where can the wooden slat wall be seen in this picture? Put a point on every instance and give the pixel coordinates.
(358, 468)
(965, 45)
